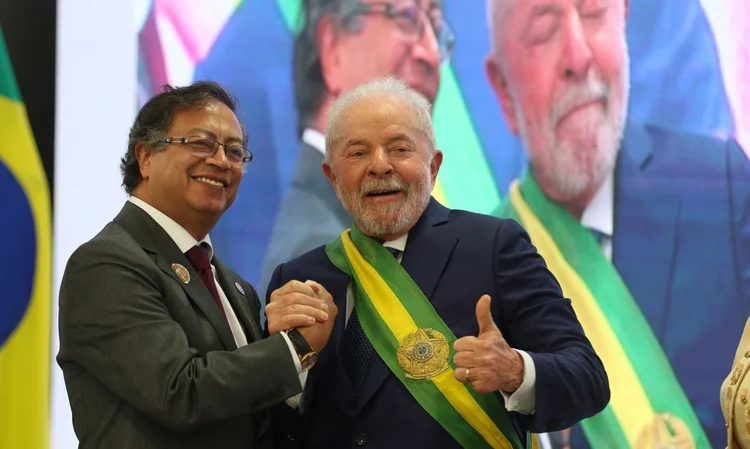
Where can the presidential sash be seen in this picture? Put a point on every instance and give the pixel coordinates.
(417, 345)
(648, 407)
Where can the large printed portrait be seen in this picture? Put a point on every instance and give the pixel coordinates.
(617, 131)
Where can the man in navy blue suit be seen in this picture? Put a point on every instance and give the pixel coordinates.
(345, 43)
(645, 220)
(453, 333)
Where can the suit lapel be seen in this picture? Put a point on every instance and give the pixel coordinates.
(155, 240)
(242, 303)
(427, 251)
(646, 203)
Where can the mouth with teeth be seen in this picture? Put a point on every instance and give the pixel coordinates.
(210, 182)
(383, 195)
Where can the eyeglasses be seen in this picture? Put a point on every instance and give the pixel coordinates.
(412, 21)
(205, 147)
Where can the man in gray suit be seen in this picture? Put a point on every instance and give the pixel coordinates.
(343, 44)
(160, 343)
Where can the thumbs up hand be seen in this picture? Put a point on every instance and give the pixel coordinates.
(486, 361)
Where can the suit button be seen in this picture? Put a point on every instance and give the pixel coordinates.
(361, 439)
(290, 437)
(747, 354)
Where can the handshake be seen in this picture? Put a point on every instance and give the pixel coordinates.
(306, 306)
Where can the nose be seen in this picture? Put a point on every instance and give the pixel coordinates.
(427, 49)
(219, 159)
(380, 165)
(577, 56)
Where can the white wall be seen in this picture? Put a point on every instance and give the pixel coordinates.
(96, 101)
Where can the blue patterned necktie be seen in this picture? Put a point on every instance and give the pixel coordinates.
(357, 350)
(598, 235)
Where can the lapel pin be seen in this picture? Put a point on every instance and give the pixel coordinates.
(181, 272)
(239, 287)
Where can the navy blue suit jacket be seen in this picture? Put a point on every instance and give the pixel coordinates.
(454, 257)
(679, 208)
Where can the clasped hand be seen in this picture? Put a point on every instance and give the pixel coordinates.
(304, 305)
(487, 361)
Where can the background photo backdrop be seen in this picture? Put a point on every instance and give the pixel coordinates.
(687, 60)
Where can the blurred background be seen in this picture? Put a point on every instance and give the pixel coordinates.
(84, 67)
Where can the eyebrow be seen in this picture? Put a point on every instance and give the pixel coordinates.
(540, 10)
(213, 136)
(400, 136)
(356, 141)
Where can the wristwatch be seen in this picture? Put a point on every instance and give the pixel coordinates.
(307, 355)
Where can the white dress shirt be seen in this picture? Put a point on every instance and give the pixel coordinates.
(184, 242)
(315, 139)
(599, 214)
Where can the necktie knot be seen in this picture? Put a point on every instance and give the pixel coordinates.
(598, 235)
(198, 257)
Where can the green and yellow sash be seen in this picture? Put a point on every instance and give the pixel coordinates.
(648, 407)
(417, 345)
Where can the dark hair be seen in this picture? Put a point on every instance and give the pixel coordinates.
(309, 86)
(156, 116)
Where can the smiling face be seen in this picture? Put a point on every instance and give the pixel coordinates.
(194, 191)
(384, 46)
(560, 70)
(382, 166)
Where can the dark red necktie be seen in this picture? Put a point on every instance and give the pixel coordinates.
(198, 257)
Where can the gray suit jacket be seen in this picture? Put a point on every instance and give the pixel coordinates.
(310, 215)
(149, 361)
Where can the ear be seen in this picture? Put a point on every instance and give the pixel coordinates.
(499, 84)
(437, 161)
(330, 62)
(328, 171)
(143, 155)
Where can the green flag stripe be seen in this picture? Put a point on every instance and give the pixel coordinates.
(426, 393)
(603, 429)
(465, 176)
(8, 86)
(425, 316)
(290, 10)
(642, 347)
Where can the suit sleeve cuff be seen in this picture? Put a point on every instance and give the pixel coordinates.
(295, 357)
(295, 401)
(523, 400)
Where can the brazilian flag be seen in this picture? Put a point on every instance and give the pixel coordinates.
(25, 270)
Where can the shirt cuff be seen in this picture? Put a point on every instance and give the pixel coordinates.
(295, 357)
(523, 400)
(295, 401)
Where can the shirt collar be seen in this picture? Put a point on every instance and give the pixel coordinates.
(315, 139)
(599, 214)
(399, 243)
(181, 237)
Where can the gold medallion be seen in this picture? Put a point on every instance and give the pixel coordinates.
(181, 272)
(423, 354)
(666, 431)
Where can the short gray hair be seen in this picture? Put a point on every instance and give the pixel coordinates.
(381, 87)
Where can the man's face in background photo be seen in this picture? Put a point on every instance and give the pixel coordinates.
(560, 70)
(373, 39)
